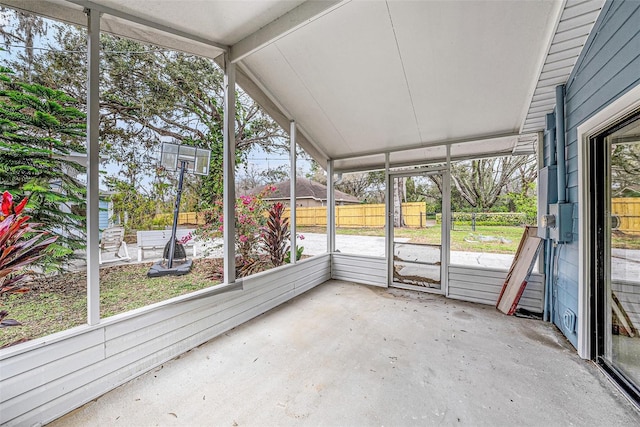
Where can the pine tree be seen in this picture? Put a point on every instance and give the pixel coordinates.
(39, 129)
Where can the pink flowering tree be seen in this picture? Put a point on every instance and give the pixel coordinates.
(250, 223)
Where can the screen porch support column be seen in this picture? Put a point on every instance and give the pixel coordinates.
(93, 158)
(388, 220)
(331, 209)
(446, 230)
(228, 174)
(292, 193)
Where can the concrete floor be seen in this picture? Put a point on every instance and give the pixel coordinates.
(352, 355)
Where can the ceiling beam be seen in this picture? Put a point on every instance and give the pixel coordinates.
(428, 145)
(289, 22)
(426, 162)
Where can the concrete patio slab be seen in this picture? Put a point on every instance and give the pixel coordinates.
(347, 354)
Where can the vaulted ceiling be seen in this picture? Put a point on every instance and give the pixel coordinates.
(365, 78)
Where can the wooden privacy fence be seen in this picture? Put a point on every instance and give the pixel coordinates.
(352, 216)
(193, 218)
(626, 213)
(414, 214)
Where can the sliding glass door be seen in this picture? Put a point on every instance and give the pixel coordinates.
(616, 250)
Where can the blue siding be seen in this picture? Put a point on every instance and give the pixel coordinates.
(608, 67)
(103, 215)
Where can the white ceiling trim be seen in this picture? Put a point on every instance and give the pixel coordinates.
(289, 22)
(444, 143)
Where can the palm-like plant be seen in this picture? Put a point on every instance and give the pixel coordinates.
(20, 245)
(276, 235)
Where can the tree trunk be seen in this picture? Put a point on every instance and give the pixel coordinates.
(398, 197)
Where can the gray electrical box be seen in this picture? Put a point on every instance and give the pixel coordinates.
(560, 222)
(547, 194)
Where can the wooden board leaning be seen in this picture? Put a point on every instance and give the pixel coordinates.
(516, 280)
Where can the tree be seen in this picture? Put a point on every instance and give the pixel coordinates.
(275, 175)
(625, 170)
(40, 129)
(149, 93)
(368, 187)
(479, 183)
(399, 190)
(422, 189)
(180, 96)
(22, 30)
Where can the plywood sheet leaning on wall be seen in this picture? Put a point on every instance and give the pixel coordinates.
(522, 264)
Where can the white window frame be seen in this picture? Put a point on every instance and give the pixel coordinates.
(597, 123)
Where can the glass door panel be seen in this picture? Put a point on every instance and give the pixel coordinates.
(622, 252)
(417, 231)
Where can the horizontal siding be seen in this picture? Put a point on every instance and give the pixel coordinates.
(484, 285)
(359, 269)
(48, 380)
(607, 68)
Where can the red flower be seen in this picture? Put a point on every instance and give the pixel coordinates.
(7, 202)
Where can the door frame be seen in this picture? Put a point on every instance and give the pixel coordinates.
(615, 112)
(601, 280)
(445, 242)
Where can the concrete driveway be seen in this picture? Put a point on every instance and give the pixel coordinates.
(316, 244)
(626, 262)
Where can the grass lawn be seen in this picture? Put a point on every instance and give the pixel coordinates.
(623, 240)
(492, 239)
(59, 302)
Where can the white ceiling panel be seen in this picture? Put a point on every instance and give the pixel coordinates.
(470, 64)
(295, 96)
(345, 74)
(383, 76)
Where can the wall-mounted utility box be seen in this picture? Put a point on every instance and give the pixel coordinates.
(561, 225)
(547, 194)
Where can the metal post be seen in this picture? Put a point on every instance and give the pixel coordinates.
(446, 219)
(229, 149)
(292, 203)
(388, 221)
(93, 159)
(176, 212)
(331, 210)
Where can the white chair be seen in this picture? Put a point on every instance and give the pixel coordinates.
(112, 240)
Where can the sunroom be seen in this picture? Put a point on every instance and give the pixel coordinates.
(403, 87)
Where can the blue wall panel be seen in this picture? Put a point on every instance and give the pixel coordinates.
(103, 216)
(608, 67)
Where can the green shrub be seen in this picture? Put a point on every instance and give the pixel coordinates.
(487, 218)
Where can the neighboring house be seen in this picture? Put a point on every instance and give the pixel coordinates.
(106, 219)
(308, 194)
(106, 210)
